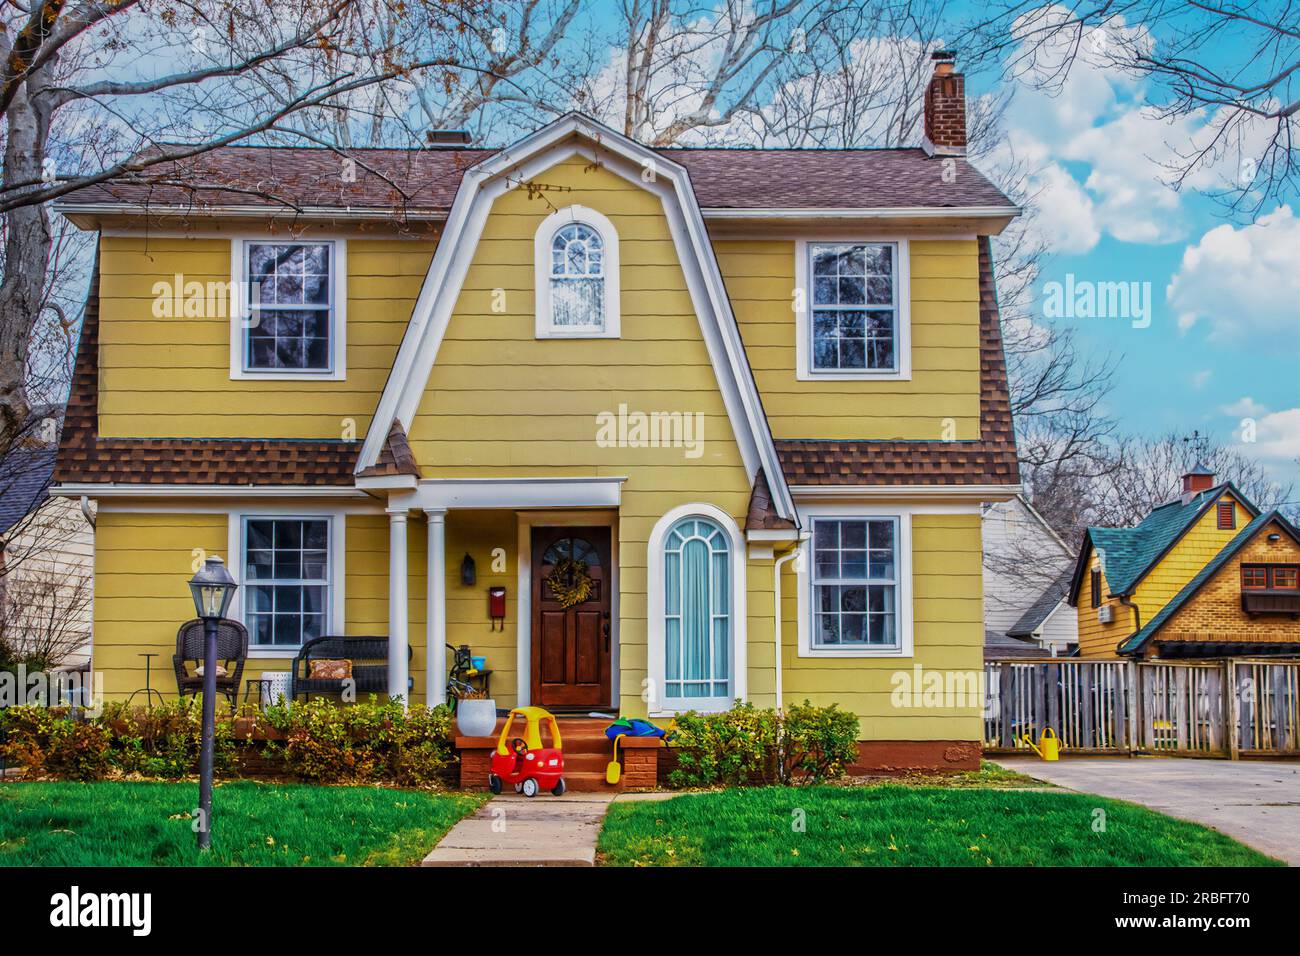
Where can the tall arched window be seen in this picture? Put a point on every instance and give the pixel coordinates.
(577, 275)
(697, 614)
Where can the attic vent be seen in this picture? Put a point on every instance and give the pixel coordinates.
(1105, 614)
(447, 138)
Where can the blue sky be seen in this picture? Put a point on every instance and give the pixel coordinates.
(1223, 342)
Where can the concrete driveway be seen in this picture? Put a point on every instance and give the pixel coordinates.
(1256, 802)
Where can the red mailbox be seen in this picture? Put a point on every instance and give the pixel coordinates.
(497, 606)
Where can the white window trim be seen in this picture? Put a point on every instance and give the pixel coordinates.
(335, 590)
(655, 630)
(338, 320)
(903, 575)
(544, 328)
(804, 371)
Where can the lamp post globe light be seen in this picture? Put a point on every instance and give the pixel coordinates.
(212, 588)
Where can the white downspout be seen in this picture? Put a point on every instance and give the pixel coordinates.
(776, 592)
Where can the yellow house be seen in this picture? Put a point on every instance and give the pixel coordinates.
(1204, 575)
(649, 430)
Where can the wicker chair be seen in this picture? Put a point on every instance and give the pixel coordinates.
(369, 657)
(232, 651)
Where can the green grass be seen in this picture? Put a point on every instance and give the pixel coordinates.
(148, 824)
(895, 825)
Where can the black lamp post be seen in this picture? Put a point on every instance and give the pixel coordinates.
(212, 588)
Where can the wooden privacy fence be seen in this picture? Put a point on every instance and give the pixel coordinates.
(1218, 708)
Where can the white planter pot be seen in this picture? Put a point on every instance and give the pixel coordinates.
(476, 718)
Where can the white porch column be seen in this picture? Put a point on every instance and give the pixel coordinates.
(398, 665)
(435, 678)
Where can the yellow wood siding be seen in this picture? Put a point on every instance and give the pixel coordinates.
(170, 377)
(948, 631)
(142, 564)
(760, 278)
(1095, 638)
(501, 402)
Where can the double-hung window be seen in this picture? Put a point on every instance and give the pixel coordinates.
(290, 315)
(855, 584)
(286, 580)
(854, 302)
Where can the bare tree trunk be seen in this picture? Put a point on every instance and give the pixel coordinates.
(27, 252)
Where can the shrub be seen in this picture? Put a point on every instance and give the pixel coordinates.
(368, 742)
(165, 741)
(48, 741)
(736, 747)
(748, 746)
(819, 743)
(375, 742)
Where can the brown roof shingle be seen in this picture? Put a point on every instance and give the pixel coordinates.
(989, 461)
(395, 458)
(762, 514)
(86, 457)
(426, 181)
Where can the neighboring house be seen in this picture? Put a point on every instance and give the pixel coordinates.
(574, 361)
(1205, 575)
(1027, 569)
(46, 561)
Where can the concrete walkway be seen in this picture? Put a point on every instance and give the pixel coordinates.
(1256, 802)
(512, 830)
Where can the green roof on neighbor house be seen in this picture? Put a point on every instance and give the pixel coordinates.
(1129, 553)
(1139, 639)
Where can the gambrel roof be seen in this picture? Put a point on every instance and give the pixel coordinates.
(577, 135)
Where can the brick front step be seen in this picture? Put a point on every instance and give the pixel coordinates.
(586, 753)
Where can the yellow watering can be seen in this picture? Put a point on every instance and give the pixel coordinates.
(1049, 743)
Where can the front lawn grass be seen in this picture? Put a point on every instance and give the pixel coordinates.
(149, 824)
(894, 825)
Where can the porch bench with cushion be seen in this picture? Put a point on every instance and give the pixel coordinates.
(367, 667)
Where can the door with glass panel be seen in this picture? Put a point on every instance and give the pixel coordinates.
(698, 625)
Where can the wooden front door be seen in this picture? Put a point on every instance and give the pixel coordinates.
(571, 645)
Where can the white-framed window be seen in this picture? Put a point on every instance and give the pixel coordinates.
(853, 311)
(696, 596)
(855, 583)
(287, 572)
(577, 275)
(290, 317)
(697, 612)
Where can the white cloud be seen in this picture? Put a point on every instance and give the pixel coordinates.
(1242, 281)
(1278, 437)
(1244, 407)
(1273, 437)
(1096, 119)
(1201, 378)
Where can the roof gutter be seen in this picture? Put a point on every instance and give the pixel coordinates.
(83, 213)
(870, 212)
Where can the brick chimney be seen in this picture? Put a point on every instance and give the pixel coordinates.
(1198, 479)
(945, 108)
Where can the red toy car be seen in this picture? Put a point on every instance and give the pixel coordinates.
(523, 761)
